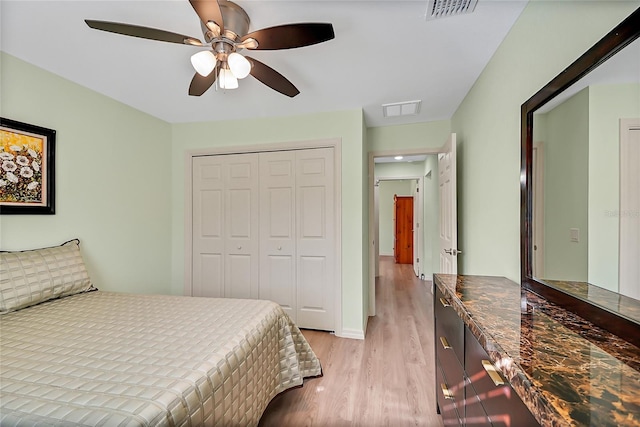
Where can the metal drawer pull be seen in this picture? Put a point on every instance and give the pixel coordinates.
(493, 373)
(445, 343)
(446, 392)
(444, 302)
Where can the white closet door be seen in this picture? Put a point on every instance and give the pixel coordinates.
(208, 227)
(315, 235)
(277, 229)
(242, 235)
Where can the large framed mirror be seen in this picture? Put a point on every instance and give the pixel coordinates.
(580, 185)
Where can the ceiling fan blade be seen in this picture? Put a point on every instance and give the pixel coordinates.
(142, 32)
(200, 84)
(209, 11)
(272, 78)
(291, 35)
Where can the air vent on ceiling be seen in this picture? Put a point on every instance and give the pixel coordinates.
(443, 8)
(408, 108)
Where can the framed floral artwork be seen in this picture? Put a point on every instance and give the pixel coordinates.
(27, 168)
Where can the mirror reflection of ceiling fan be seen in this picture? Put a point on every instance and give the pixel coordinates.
(225, 26)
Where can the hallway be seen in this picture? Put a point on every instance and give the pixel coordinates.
(385, 380)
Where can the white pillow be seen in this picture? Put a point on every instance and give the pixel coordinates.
(31, 277)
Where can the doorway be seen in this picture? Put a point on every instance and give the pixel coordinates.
(416, 177)
(428, 198)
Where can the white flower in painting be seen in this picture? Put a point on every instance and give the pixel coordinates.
(9, 166)
(11, 177)
(32, 186)
(26, 172)
(3, 183)
(6, 156)
(15, 148)
(32, 153)
(36, 166)
(22, 161)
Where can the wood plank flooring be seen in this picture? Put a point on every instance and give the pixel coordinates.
(386, 380)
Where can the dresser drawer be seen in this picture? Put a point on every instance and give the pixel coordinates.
(449, 326)
(474, 414)
(500, 402)
(449, 402)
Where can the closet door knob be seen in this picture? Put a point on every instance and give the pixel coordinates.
(279, 248)
(239, 247)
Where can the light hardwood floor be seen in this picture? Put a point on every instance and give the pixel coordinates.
(386, 380)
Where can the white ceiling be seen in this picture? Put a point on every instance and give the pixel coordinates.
(384, 52)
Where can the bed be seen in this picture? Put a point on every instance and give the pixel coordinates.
(73, 355)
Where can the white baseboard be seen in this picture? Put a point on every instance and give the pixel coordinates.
(356, 334)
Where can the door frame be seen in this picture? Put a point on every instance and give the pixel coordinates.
(373, 239)
(376, 205)
(538, 209)
(626, 127)
(335, 143)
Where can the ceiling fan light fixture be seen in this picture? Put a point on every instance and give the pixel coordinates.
(192, 41)
(203, 62)
(239, 65)
(227, 79)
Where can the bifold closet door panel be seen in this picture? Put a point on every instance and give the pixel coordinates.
(242, 235)
(225, 226)
(277, 229)
(208, 227)
(315, 238)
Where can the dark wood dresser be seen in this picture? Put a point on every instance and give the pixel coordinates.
(498, 367)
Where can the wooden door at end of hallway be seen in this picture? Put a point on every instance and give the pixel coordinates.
(403, 219)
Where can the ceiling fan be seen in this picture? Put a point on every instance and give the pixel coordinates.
(225, 26)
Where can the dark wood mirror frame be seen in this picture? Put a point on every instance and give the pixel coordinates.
(622, 35)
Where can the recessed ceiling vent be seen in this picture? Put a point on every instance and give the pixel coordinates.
(442, 8)
(408, 108)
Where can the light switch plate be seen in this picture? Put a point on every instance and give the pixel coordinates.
(574, 234)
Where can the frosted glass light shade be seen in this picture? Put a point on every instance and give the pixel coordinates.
(204, 62)
(239, 65)
(227, 80)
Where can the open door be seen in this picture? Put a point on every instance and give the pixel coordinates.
(629, 275)
(448, 207)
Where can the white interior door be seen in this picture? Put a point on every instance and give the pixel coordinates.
(315, 238)
(241, 220)
(448, 207)
(277, 229)
(630, 208)
(208, 227)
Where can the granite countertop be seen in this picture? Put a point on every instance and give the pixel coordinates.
(566, 370)
(612, 301)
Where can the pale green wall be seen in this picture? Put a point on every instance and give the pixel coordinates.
(387, 190)
(345, 125)
(113, 180)
(429, 135)
(607, 105)
(566, 188)
(547, 37)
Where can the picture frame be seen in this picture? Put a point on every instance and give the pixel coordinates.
(27, 168)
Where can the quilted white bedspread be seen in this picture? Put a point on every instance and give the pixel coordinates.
(110, 359)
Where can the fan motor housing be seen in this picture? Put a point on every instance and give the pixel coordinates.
(235, 19)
